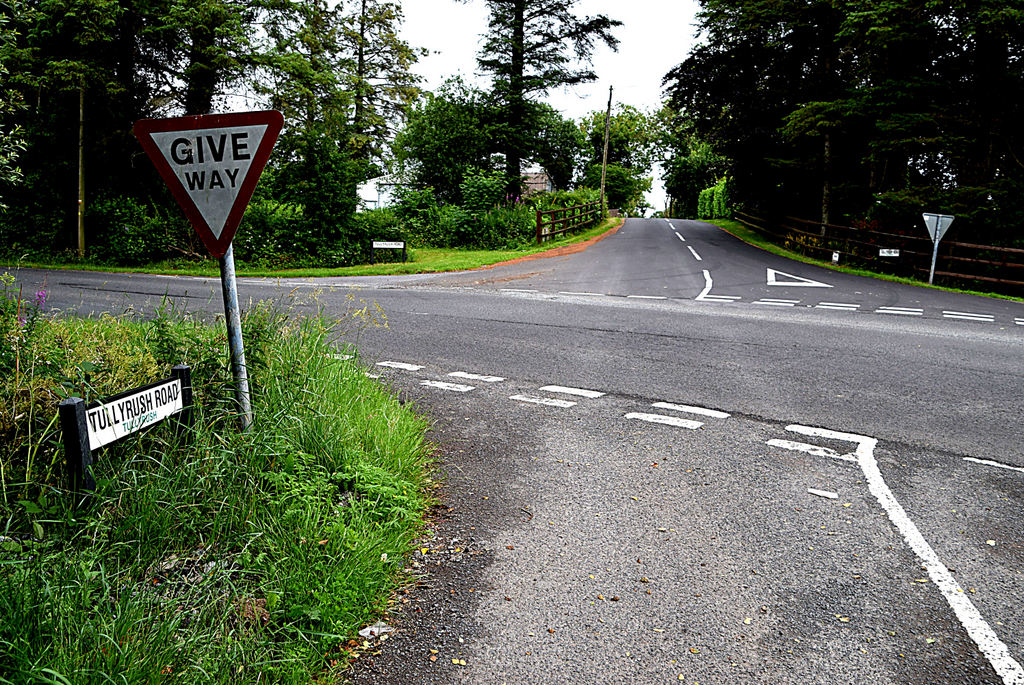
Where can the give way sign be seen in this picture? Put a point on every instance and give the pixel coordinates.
(211, 164)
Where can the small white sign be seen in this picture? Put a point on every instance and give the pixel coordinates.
(884, 252)
(389, 244)
(125, 415)
(835, 257)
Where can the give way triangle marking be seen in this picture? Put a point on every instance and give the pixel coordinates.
(793, 281)
(211, 164)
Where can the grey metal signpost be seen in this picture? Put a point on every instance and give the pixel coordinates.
(211, 164)
(937, 225)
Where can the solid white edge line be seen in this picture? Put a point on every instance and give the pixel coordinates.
(694, 253)
(400, 365)
(691, 410)
(454, 387)
(546, 401)
(707, 285)
(579, 392)
(970, 618)
(816, 450)
(666, 420)
(476, 377)
(823, 493)
(989, 462)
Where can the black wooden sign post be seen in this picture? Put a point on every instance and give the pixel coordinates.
(86, 428)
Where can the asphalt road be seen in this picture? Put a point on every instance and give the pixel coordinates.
(676, 457)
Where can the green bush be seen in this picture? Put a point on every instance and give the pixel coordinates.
(378, 224)
(123, 231)
(713, 202)
(482, 190)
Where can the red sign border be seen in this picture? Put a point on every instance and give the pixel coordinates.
(273, 120)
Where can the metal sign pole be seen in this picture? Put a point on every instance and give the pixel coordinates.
(935, 257)
(233, 318)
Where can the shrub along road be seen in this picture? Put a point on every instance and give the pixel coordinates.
(846, 509)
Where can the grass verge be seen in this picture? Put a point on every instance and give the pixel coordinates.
(754, 238)
(210, 557)
(421, 260)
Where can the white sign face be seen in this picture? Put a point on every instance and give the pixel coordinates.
(125, 415)
(211, 164)
(937, 225)
(835, 257)
(883, 252)
(388, 244)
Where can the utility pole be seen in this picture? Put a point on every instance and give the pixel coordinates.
(604, 158)
(81, 169)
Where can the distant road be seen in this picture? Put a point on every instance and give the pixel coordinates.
(675, 455)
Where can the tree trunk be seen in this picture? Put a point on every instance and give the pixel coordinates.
(516, 98)
(200, 76)
(826, 183)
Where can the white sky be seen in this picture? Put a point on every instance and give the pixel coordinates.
(656, 35)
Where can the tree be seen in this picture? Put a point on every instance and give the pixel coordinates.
(447, 134)
(634, 139)
(558, 146)
(531, 47)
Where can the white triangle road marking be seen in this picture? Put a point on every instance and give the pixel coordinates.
(793, 281)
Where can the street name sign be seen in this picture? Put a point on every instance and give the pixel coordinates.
(211, 164)
(389, 244)
(111, 419)
(886, 252)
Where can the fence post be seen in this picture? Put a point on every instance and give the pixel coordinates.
(75, 435)
(538, 226)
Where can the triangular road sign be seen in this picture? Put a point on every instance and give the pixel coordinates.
(794, 281)
(937, 225)
(211, 164)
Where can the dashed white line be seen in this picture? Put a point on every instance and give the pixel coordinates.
(569, 292)
(720, 298)
(694, 253)
(989, 462)
(823, 493)
(519, 290)
(453, 387)
(681, 238)
(967, 316)
(691, 410)
(666, 420)
(771, 302)
(904, 311)
(816, 450)
(578, 392)
(476, 377)
(646, 297)
(546, 401)
(400, 365)
(1019, 322)
(842, 306)
(970, 618)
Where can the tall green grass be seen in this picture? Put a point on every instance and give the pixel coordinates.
(209, 556)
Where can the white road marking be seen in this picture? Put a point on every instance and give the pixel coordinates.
(720, 298)
(476, 377)
(1019, 322)
(681, 237)
(771, 302)
(578, 392)
(694, 253)
(970, 618)
(707, 285)
(823, 493)
(838, 305)
(794, 281)
(905, 311)
(816, 450)
(967, 316)
(691, 410)
(400, 365)
(567, 292)
(546, 401)
(374, 376)
(518, 290)
(666, 420)
(988, 462)
(646, 297)
(453, 387)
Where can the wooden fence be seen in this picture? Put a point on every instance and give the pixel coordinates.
(558, 221)
(1003, 266)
